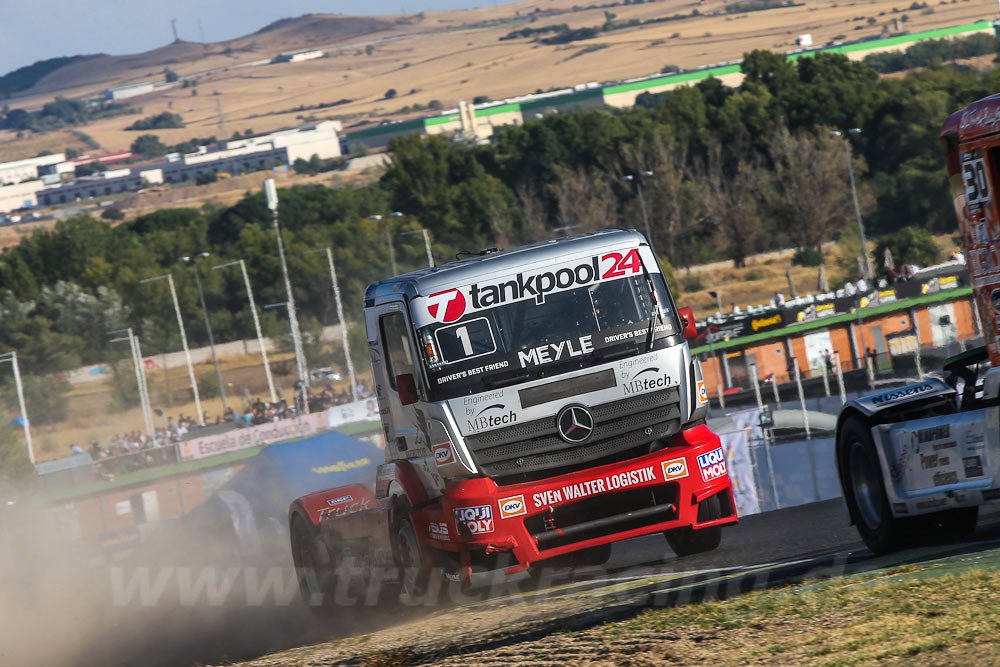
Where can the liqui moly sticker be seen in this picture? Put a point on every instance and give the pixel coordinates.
(511, 507)
(477, 519)
(712, 464)
(452, 304)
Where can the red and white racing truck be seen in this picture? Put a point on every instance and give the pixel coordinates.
(538, 404)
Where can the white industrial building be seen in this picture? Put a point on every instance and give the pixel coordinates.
(29, 169)
(19, 195)
(234, 157)
(125, 92)
(297, 57)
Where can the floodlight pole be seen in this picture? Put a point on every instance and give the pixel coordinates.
(184, 343)
(140, 377)
(256, 325)
(343, 323)
(427, 243)
(271, 193)
(26, 425)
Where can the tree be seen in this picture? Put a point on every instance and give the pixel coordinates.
(732, 205)
(149, 146)
(170, 75)
(391, 93)
(810, 197)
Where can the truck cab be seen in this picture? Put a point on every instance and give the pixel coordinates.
(542, 402)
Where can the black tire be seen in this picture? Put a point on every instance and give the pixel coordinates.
(413, 562)
(314, 566)
(864, 490)
(686, 541)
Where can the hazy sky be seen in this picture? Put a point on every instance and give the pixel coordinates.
(38, 29)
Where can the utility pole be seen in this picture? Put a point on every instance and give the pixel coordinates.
(343, 323)
(427, 243)
(184, 343)
(256, 326)
(173, 26)
(12, 358)
(147, 416)
(271, 193)
(637, 179)
(208, 325)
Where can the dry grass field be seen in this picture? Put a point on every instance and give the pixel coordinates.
(444, 56)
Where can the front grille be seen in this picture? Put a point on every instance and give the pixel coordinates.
(618, 427)
(603, 515)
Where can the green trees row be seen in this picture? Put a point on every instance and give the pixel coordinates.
(734, 171)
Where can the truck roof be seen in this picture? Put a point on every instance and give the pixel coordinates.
(462, 272)
(980, 118)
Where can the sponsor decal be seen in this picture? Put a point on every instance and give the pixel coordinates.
(702, 392)
(472, 402)
(712, 464)
(470, 372)
(763, 322)
(974, 439)
(642, 332)
(900, 508)
(943, 478)
(903, 393)
(651, 382)
(337, 501)
(973, 466)
(452, 304)
(493, 420)
(511, 507)
(931, 504)
(580, 490)
(929, 461)
(443, 454)
(438, 530)
(343, 509)
(547, 354)
(934, 433)
(674, 469)
(478, 519)
(446, 306)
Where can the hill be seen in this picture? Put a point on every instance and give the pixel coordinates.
(438, 58)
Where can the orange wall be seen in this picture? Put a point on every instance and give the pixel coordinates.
(770, 355)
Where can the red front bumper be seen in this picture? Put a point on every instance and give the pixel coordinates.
(547, 518)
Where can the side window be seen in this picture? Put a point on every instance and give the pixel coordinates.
(397, 348)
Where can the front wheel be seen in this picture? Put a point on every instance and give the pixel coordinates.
(414, 566)
(314, 566)
(865, 490)
(686, 541)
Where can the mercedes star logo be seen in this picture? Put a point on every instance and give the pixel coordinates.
(575, 423)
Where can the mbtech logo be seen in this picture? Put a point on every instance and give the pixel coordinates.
(450, 305)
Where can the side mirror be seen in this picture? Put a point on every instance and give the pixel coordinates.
(406, 386)
(687, 321)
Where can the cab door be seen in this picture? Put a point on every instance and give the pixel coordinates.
(399, 384)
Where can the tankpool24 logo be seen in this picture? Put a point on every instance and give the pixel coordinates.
(712, 464)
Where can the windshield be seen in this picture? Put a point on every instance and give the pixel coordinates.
(569, 329)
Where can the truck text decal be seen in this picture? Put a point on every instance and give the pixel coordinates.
(579, 490)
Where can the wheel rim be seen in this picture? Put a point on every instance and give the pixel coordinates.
(865, 485)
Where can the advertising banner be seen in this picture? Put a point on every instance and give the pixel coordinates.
(244, 438)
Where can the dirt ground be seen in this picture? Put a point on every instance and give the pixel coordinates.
(904, 615)
(444, 56)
